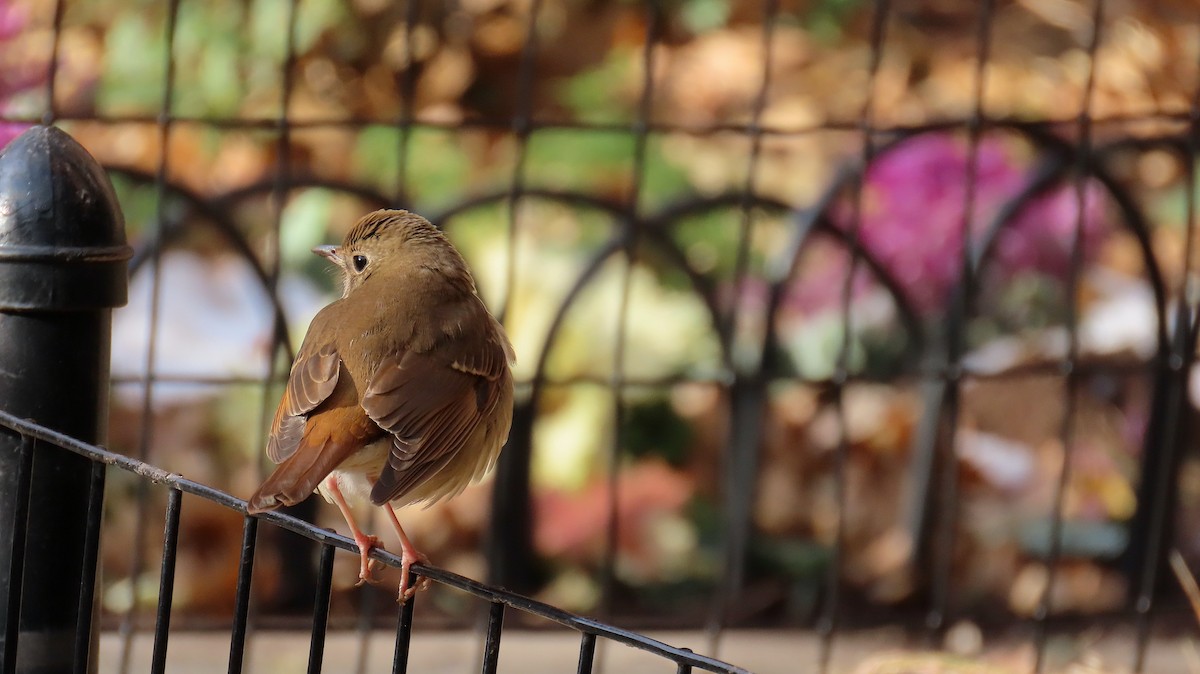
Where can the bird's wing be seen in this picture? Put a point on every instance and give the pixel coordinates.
(313, 378)
(331, 434)
(432, 403)
(317, 426)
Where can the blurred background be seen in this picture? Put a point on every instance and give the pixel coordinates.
(760, 385)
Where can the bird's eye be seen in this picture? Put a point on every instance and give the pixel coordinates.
(360, 262)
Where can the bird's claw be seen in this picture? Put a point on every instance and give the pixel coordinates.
(368, 577)
(368, 565)
(407, 591)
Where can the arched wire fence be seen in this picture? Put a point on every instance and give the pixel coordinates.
(933, 354)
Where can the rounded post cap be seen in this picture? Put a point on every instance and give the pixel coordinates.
(62, 233)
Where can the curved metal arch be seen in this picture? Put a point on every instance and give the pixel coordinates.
(218, 218)
(655, 227)
(1052, 172)
(816, 220)
(1061, 152)
(651, 227)
(267, 187)
(512, 516)
(577, 199)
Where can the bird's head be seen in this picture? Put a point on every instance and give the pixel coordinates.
(393, 242)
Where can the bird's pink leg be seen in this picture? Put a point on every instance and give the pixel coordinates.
(409, 555)
(364, 541)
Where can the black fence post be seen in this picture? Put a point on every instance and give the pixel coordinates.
(63, 267)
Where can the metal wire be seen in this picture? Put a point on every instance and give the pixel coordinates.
(241, 607)
(316, 648)
(166, 583)
(629, 238)
(408, 86)
(946, 123)
(403, 637)
(91, 556)
(827, 623)
(147, 427)
(740, 461)
(1163, 489)
(51, 114)
(16, 569)
(946, 480)
(1067, 435)
(491, 645)
(587, 653)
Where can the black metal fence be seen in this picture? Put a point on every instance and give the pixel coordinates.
(929, 354)
(30, 435)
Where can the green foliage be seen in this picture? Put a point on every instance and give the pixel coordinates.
(794, 558)
(592, 95)
(228, 54)
(133, 78)
(377, 156)
(826, 19)
(304, 224)
(566, 159)
(652, 428)
(438, 166)
(478, 228)
(710, 241)
(207, 48)
(702, 15)
(1027, 302)
(662, 180)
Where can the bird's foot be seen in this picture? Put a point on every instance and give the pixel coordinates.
(410, 556)
(365, 570)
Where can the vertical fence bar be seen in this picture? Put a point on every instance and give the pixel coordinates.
(747, 395)
(403, 636)
(827, 622)
(367, 599)
(62, 269)
(294, 578)
(587, 653)
(491, 647)
(509, 544)
(1152, 525)
(683, 667)
(1160, 480)
(158, 234)
(1083, 161)
(408, 94)
(86, 639)
(630, 236)
(945, 492)
(51, 113)
(16, 549)
(241, 608)
(166, 582)
(316, 648)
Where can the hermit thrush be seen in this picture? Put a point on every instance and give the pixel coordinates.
(401, 389)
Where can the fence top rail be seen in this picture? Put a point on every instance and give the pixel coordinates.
(298, 526)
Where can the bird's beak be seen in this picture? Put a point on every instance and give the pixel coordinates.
(329, 252)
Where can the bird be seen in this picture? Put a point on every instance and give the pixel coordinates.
(402, 389)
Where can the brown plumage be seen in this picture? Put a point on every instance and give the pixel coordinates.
(402, 387)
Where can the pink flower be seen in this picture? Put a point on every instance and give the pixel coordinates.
(912, 216)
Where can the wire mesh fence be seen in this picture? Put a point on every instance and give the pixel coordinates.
(821, 309)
